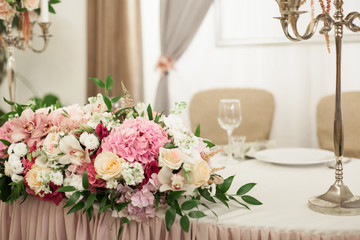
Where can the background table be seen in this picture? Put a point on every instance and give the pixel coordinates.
(284, 191)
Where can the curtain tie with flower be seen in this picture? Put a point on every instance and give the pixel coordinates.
(165, 64)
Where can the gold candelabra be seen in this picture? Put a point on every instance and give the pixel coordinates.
(338, 200)
(20, 43)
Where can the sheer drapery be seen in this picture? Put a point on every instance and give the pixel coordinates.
(179, 21)
(114, 45)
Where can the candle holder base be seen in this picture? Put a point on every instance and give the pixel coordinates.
(338, 200)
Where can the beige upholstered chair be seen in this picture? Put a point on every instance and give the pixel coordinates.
(257, 113)
(351, 120)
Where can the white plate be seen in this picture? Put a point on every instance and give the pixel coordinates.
(295, 156)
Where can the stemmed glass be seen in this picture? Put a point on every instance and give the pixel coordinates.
(229, 118)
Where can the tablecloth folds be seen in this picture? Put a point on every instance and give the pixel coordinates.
(35, 219)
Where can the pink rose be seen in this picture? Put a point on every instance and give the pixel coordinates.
(31, 4)
(6, 11)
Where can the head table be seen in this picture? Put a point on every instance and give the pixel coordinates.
(284, 191)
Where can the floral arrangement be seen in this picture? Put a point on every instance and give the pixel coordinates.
(132, 160)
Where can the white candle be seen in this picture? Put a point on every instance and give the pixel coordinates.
(44, 11)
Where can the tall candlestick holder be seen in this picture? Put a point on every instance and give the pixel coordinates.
(19, 42)
(338, 200)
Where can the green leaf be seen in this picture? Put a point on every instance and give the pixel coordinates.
(185, 223)
(5, 188)
(121, 206)
(6, 143)
(222, 198)
(108, 83)
(74, 197)
(190, 204)
(104, 208)
(89, 202)
(90, 212)
(226, 184)
(125, 220)
(170, 215)
(250, 200)
(107, 102)
(169, 146)
(177, 208)
(234, 199)
(85, 180)
(77, 207)
(205, 194)
(149, 112)
(98, 82)
(51, 9)
(21, 9)
(245, 188)
(54, 1)
(197, 131)
(8, 102)
(173, 196)
(209, 209)
(115, 99)
(196, 214)
(66, 189)
(209, 144)
(6, 116)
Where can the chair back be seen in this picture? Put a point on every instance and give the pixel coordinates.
(257, 108)
(351, 120)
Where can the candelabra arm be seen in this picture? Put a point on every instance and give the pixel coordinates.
(45, 35)
(312, 26)
(349, 21)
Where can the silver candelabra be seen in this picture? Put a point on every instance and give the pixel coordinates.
(338, 200)
(20, 43)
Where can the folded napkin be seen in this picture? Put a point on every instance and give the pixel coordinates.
(250, 148)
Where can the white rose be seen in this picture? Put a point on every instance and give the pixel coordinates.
(20, 149)
(14, 158)
(201, 173)
(16, 178)
(83, 137)
(91, 142)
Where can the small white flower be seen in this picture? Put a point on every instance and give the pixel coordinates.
(133, 174)
(20, 149)
(112, 184)
(83, 137)
(16, 166)
(14, 158)
(57, 178)
(213, 189)
(91, 142)
(16, 178)
(76, 182)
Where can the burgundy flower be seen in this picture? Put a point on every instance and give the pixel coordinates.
(150, 168)
(101, 131)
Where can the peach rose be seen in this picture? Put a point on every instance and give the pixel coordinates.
(172, 158)
(201, 173)
(108, 166)
(31, 177)
(6, 11)
(31, 4)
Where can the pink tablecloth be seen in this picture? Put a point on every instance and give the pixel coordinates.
(35, 220)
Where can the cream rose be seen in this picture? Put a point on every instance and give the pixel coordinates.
(172, 158)
(51, 146)
(31, 4)
(32, 180)
(201, 173)
(108, 166)
(6, 11)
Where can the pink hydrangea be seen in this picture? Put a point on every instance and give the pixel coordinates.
(136, 140)
(5, 133)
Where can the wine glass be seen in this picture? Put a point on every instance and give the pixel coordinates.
(229, 118)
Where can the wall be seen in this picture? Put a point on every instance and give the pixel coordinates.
(61, 69)
(298, 74)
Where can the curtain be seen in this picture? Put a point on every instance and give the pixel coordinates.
(114, 45)
(179, 21)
